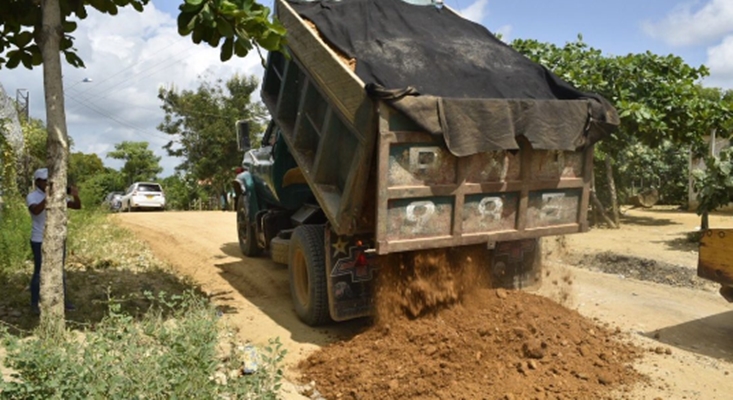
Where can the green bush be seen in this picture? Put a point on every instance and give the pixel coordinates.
(15, 234)
(173, 352)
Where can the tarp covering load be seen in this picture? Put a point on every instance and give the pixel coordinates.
(454, 78)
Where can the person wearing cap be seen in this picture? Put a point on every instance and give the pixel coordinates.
(36, 202)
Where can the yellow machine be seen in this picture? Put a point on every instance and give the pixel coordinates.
(715, 260)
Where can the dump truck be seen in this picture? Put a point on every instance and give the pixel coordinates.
(715, 260)
(401, 127)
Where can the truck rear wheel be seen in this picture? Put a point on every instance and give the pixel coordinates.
(246, 229)
(307, 268)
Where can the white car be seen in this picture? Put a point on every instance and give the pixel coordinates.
(143, 195)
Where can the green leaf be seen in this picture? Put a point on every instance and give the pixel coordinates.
(184, 23)
(27, 59)
(198, 34)
(194, 2)
(37, 56)
(270, 42)
(23, 38)
(69, 26)
(73, 59)
(227, 50)
(13, 59)
(242, 47)
(225, 28)
(214, 38)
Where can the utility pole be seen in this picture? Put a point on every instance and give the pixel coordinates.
(22, 101)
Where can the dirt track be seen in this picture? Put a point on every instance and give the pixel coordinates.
(696, 325)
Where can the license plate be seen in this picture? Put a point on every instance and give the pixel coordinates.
(150, 196)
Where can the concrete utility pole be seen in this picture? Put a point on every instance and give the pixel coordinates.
(22, 101)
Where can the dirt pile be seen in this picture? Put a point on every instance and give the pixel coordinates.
(497, 344)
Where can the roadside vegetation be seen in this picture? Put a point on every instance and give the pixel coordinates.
(138, 331)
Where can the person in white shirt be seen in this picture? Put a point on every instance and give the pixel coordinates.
(36, 202)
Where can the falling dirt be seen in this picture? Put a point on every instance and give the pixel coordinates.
(422, 283)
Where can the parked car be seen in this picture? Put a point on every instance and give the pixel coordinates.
(113, 201)
(143, 195)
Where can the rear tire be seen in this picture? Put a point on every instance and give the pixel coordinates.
(307, 270)
(246, 229)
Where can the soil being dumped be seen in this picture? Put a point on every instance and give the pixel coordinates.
(467, 341)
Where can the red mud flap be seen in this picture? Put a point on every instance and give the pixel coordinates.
(351, 265)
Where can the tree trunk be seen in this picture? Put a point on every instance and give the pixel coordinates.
(612, 188)
(52, 288)
(704, 221)
(598, 206)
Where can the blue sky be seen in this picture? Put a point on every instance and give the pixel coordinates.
(127, 62)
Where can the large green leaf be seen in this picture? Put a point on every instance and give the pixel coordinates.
(227, 49)
(225, 28)
(23, 38)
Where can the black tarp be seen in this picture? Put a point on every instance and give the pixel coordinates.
(454, 78)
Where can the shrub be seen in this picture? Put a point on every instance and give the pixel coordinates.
(173, 352)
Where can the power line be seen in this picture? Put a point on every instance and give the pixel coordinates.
(127, 124)
(167, 63)
(155, 53)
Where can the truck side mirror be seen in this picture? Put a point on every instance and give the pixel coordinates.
(242, 128)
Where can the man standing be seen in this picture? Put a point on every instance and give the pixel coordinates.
(36, 202)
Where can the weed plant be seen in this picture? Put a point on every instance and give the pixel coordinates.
(173, 352)
(15, 234)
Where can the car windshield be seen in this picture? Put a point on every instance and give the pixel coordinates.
(149, 187)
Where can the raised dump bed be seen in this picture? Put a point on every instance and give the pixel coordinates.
(373, 169)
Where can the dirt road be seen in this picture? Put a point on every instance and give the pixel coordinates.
(254, 294)
(695, 326)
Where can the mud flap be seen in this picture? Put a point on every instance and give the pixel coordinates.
(517, 264)
(351, 266)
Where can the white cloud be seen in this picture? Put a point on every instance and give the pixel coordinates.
(128, 57)
(720, 62)
(683, 26)
(475, 11)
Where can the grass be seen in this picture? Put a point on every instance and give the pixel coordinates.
(139, 331)
(15, 234)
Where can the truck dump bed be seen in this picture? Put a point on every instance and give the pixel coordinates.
(427, 167)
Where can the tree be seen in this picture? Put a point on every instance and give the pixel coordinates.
(84, 172)
(36, 32)
(658, 98)
(180, 191)
(141, 164)
(202, 124)
(83, 166)
(714, 185)
(95, 188)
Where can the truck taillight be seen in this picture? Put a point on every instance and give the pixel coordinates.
(361, 260)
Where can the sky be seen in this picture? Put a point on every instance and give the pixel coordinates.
(130, 56)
